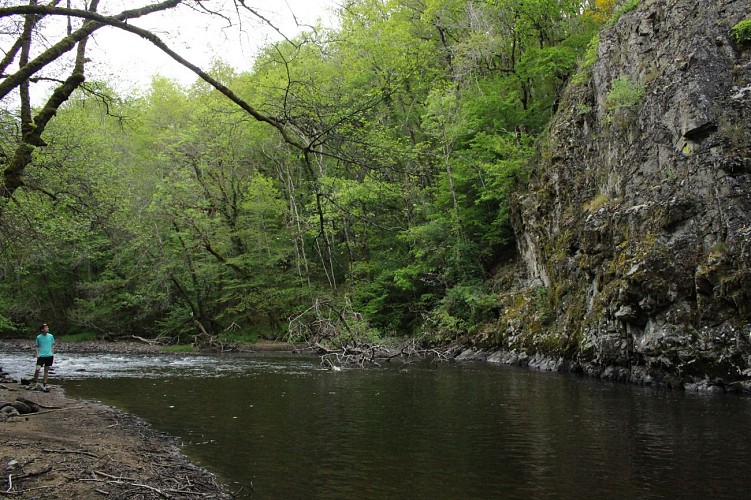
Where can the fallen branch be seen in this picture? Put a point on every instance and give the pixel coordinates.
(21, 492)
(72, 452)
(24, 476)
(53, 409)
(148, 341)
(117, 480)
(46, 407)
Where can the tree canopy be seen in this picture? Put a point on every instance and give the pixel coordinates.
(368, 168)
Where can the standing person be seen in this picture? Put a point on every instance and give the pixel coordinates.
(45, 350)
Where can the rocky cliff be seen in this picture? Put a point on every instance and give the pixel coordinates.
(635, 234)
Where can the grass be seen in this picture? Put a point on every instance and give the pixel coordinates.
(598, 202)
(79, 337)
(240, 337)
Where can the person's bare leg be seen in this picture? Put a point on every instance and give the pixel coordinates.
(36, 373)
(46, 371)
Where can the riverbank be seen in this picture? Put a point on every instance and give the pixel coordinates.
(637, 375)
(136, 346)
(82, 449)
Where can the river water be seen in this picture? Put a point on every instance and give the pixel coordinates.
(281, 426)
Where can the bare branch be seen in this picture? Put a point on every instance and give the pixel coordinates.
(118, 22)
(32, 131)
(265, 20)
(67, 43)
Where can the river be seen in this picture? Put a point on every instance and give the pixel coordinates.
(280, 426)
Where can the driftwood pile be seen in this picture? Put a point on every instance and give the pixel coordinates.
(342, 337)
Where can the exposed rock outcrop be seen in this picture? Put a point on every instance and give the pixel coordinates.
(636, 229)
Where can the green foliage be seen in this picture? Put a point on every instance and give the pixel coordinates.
(624, 94)
(461, 312)
(6, 326)
(543, 63)
(239, 336)
(73, 338)
(626, 7)
(741, 32)
(171, 212)
(175, 325)
(591, 56)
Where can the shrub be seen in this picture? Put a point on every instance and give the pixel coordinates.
(590, 58)
(624, 8)
(741, 32)
(624, 94)
(240, 336)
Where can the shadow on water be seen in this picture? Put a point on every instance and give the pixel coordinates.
(281, 427)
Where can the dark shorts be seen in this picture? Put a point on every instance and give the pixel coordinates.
(44, 360)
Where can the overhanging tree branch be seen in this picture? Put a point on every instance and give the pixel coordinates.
(66, 44)
(32, 131)
(118, 21)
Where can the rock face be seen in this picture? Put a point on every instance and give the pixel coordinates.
(636, 230)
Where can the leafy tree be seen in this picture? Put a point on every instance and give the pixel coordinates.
(368, 168)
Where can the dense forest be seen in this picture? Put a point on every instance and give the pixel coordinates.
(356, 179)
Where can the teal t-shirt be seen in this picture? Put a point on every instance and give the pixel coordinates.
(44, 343)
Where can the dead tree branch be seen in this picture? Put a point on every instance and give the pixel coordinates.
(339, 335)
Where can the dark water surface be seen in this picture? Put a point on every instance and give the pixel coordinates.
(281, 427)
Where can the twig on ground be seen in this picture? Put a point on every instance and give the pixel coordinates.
(73, 452)
(148, 341)
(50, 411)
(23, 476)
(21, 492)
(128, 481)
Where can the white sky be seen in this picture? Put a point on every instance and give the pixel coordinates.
(128, 61)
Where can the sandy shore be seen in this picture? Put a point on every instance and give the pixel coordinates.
(80, 449)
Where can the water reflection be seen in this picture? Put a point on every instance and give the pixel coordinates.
(283, 428)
